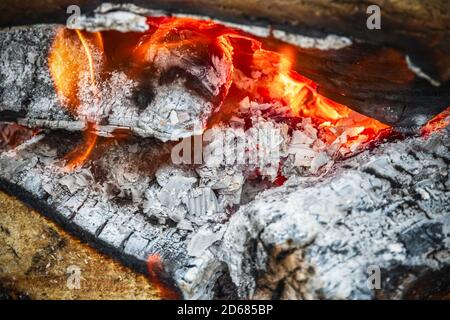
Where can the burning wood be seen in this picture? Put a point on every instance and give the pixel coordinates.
(130, 69)
(134, 215)
(192, 225)
(115, 102)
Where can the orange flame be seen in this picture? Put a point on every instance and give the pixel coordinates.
(66, 66)
(272, 74)
(88, 56)
(80, 154)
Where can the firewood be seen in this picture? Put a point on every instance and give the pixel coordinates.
(314, 237)
(419, 28)
(322, 237)
(375, 81)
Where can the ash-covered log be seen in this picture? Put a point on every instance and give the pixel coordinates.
(157, 104)
(323, 237)
(315, 237)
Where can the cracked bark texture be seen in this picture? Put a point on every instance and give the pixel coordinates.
(314, 237)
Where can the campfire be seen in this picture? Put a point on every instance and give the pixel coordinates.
(230, 67)
(228, 160)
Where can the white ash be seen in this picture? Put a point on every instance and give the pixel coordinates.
(179, 197)
(123, 21)
(303, 150)
(213, 77)
(330, 42)
(61, 124)
(202, 240)
(420, 73)
(24, 76)
(112, 102)
(128, 7)
(107, 100)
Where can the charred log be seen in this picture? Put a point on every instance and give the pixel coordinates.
(318, 238)
(28, 94)
(419, 28)
(312, 238)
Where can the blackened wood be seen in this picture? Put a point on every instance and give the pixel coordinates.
(419, 28)
(373, 80)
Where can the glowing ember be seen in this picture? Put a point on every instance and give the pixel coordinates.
(12, 135)
(156, 276)
(437, 123)
(250, 71)
(80, 154)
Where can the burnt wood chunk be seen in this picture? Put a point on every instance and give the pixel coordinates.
(314, 237)
(28, 95)
(384, 211)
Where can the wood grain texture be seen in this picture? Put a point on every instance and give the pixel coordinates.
(37, 258)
